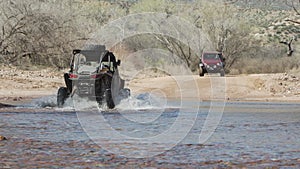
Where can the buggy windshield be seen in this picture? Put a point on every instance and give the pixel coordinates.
(87, 62)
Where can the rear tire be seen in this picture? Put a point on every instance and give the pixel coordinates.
(109, 100)
(99, 92)
(103, 92)
(62, 95)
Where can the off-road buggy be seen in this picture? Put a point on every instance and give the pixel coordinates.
(93, 74)
(212, 62)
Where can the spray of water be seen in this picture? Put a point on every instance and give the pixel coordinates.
(42, 102)
(141, 101)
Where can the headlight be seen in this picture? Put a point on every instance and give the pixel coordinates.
(218, 64)
(200, 64)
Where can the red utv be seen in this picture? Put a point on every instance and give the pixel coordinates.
(212, 62)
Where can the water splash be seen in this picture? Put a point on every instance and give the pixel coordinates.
(69, 105)
(142, 101)
(84, 103)
(42, 102)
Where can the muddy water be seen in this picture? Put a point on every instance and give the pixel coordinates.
(250, 134)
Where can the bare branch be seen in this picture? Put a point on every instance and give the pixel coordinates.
(293, 21)
(289, 46)
(228, 2)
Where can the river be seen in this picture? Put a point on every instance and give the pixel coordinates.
(249, 134)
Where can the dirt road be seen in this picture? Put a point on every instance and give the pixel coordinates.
(21, 86)
(256, 87)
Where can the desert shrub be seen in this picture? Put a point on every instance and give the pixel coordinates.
(29, 35)
(270, 58)
(44, 32)
(268, 61)
(173, 52)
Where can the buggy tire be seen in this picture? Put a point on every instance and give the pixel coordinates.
(99, 92)
(222, 73)
(62, 95)
(109, 100)
(201, 72)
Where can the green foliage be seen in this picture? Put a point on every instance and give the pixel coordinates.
(152, 6)
(51, 28)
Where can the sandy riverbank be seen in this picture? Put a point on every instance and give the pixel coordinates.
(19, 86)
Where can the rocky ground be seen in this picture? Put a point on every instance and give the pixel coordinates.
(23, 85)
